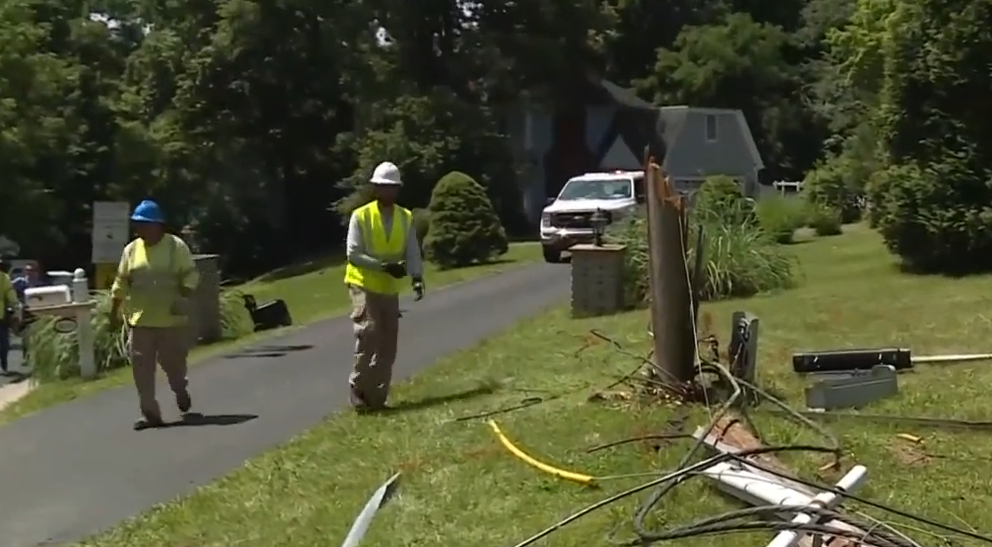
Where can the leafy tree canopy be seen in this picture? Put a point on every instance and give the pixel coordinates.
(264, 119)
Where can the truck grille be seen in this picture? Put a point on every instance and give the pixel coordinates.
(575, 220)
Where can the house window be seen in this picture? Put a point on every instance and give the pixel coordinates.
(711, 134)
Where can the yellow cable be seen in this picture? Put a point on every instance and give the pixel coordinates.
(560, 473)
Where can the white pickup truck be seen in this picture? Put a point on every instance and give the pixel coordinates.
(566, 219)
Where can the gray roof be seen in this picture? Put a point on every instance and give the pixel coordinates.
(624, 96)
(671, 119)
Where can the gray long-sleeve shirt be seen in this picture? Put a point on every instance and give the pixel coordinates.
(358, 252)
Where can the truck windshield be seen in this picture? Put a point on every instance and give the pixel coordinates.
(596, 189)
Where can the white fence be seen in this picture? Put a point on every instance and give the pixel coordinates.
(780, 187)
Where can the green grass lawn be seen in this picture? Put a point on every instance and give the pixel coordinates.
(313, 291)
(460, 487)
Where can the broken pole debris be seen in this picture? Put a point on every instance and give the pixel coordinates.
(758, 487)
(847, 360)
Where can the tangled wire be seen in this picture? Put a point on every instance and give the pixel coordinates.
(865, 530)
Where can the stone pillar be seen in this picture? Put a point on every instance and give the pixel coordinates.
(597, 279)
(205, 324)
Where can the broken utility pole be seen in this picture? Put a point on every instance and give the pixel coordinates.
(671, 296)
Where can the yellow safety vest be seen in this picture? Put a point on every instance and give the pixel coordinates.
(153, 298)
(380, 245)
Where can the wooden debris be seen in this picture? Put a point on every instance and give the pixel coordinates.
(734, 432)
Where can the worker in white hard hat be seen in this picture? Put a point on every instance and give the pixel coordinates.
(382, 251)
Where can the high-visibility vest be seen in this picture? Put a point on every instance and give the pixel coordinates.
(384, 247)
(154, 289)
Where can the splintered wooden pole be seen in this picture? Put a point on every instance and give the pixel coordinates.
(671, 298)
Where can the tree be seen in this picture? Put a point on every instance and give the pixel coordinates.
(935, 100)
(251, 120)
(739, 63)
(847, 78)
(428, 136)
(830, 187)
(36, 134)
(464, 227)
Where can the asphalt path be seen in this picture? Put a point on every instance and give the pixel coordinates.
(78, 468)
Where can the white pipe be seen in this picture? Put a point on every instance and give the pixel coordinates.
(851, 481)
(754, 486)
(724, 448)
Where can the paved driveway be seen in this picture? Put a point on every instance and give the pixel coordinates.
(78, 468)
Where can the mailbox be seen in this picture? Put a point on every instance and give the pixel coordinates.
(41, 297)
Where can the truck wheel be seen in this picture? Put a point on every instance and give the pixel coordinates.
(551, 256)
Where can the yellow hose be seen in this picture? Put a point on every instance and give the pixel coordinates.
(560, 473)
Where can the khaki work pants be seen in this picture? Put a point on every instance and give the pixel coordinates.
(376, 326)
(151, 347)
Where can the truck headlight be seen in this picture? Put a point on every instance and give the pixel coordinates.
(545, 220)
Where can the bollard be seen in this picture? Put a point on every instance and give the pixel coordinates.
(84, 324)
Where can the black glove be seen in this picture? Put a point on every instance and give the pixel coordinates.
(418, 288)
(395, 269)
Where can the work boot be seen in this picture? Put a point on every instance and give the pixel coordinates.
(184, 402)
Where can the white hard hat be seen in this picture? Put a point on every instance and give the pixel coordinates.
(386, 173)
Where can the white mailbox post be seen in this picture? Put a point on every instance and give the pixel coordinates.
(73, 308)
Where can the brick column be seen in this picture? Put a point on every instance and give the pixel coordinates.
(597, 279)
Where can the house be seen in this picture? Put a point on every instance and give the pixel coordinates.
(702, 142)
(598, 126)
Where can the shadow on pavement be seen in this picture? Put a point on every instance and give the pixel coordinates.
(270, 351)
(195, 419)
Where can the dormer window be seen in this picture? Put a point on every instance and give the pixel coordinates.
(711, 128)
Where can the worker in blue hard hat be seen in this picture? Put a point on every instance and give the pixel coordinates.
(155, 280)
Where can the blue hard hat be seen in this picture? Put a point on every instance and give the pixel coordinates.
(148, 211)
